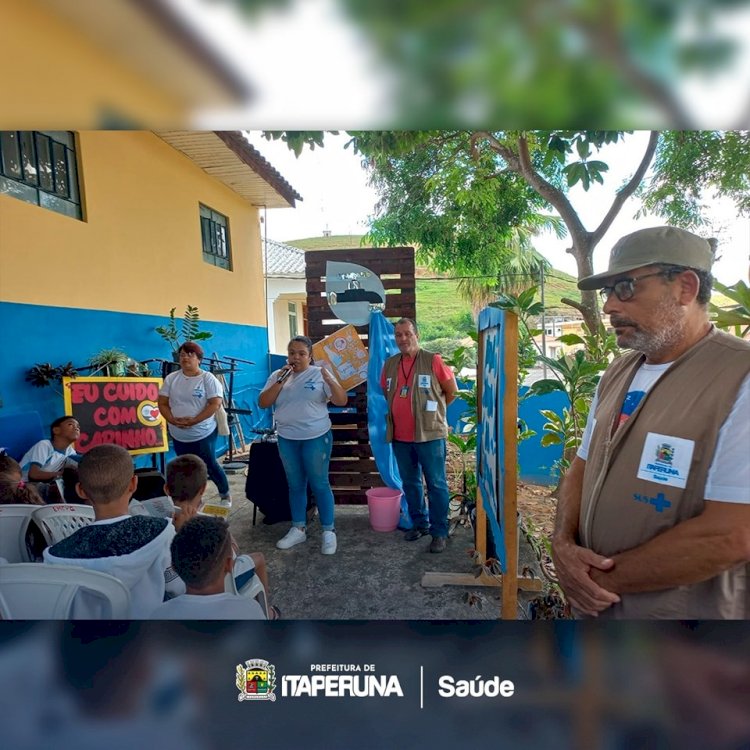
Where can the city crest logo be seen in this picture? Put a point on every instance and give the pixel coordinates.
(664, 453)
(256, 681)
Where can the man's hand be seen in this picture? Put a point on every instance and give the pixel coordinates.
(573, 565)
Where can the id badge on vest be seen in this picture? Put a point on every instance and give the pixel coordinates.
(666, 459)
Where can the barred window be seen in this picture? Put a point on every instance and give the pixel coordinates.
(39, 167)
(215, 237)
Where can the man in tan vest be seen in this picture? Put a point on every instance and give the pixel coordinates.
(418, 386)
(653, 517)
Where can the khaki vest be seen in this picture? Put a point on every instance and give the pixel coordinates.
(428, 425)
(619, 511)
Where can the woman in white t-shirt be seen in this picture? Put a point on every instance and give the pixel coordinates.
(188, 400)
(300, 393)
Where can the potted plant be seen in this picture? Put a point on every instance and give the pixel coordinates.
(43, 374)
(188, 331)
(109, 362)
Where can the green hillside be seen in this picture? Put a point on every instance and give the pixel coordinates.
(443, 313)
(334, 242)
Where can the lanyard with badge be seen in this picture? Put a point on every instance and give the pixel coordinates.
(404, 392)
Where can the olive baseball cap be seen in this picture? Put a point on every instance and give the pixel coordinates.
(654, 245)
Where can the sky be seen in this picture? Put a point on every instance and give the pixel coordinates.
(337, 197)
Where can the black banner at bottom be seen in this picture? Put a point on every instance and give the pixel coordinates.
(374, 685)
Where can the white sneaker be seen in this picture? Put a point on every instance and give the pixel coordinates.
(329, 543)
(294, 536)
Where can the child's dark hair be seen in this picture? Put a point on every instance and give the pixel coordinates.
(186, 477)
(105, 473)
(13, 489)
(56, 423)
(200, 549)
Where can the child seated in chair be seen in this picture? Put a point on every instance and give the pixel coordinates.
(15, 491)
(202, 556)
(187, 478)
(134, 549)
(52, 464)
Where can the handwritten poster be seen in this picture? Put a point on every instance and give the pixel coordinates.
(123, 411)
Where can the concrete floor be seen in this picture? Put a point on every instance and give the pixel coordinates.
(372, 576)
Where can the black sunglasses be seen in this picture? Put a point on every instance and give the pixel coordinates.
(624, 289)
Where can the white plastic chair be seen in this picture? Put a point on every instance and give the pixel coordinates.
(14, 522)
(34, 591)
(57, 522)
(253, 588)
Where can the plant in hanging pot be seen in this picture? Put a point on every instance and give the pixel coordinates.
(188, 331)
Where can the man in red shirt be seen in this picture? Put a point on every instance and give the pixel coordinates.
(418, 386)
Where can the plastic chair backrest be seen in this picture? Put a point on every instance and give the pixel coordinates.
(254, 588)
(57, 522)
(14, 522)
(35, 591)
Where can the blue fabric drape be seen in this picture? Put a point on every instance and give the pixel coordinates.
(382, 345)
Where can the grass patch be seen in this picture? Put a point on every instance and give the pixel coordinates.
(334, 242)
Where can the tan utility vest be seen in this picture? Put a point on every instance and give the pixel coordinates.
(619, 511)
(428, 425)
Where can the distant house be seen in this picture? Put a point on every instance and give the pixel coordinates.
(285, 294)
(554, 328)
(104, 231)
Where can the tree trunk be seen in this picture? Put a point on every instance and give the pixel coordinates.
(582, 251)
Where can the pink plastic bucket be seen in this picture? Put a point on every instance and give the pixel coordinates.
(384, 505)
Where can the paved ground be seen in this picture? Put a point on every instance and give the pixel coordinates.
(372, 576)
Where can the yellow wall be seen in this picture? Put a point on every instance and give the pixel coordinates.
(139, 246)
(55, 78)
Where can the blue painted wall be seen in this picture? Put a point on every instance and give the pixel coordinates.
(535, 461)
(36, 333)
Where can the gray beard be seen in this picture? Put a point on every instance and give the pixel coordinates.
(670, 332)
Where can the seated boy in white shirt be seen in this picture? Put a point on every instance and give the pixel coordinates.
(47, 461)
(202, 556)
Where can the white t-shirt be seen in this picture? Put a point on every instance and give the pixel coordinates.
(212, 607)
(47, 457)
(301, 410)
(728, 478)
(188, 396)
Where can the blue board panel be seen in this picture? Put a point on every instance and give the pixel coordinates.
(490, 445)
